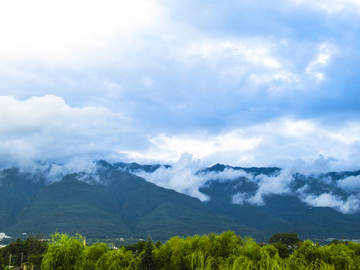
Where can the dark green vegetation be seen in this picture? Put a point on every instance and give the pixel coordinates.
(114, 203)
(213, 251)
(124, 205)
(30, 251)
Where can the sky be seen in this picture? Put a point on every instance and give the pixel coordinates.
(244, 83)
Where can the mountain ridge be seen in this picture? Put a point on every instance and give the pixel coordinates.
(111, 202)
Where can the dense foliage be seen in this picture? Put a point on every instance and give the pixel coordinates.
(30, 251)
(213, 251)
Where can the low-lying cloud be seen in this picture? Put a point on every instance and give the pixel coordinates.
(271, 185)
(308, 181)
(347, 206)
(350, 184)
(187, 176)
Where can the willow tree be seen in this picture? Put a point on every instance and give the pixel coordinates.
(64, 253)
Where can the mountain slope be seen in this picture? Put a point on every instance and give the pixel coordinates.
(15, 190)
(71, 206)
(284, 212)
(126, 206)
(113, 202)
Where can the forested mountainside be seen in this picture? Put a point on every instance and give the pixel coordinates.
(112, 201)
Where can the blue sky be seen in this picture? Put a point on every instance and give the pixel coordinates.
(250, 83)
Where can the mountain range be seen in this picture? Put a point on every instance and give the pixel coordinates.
(112, 200)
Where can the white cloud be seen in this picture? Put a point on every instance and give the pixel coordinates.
(201, 146)
(257, 52)
(331, 6)
(348, 206)
(258, 62)
(266, 186)
(240, 198)
(228, 174)
(48, 112)
(75, 50)
(62, 32)
(255, 59)
(269, 185)
(350, 184)
(72, 49)
(276, 142)
(325, 52)
(311, 166)
(3, 236)
(46, 128)
(183, 176)
(347, 134)
(180, 177)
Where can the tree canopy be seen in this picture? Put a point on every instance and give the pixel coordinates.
(225, 251)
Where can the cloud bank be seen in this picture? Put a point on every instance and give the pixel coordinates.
(276, 143)
(184, 176)
(310, 186)
(47, 129)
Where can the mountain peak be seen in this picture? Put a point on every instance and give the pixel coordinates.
(217, 168)
(104, 164)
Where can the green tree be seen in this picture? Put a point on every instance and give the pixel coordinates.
(308, 256)
(341, 256)
(175, 254)
(31, 251)
(147, 256)
(2, 262)
(92, 254)
(136, 248)
(286, 243)
(118, 259)
(283, 250)
(64, 253)
(34, 251)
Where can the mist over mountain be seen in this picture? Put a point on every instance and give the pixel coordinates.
(311, 184)
(129, 199)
